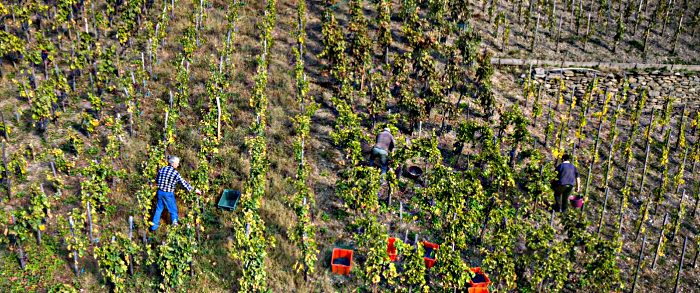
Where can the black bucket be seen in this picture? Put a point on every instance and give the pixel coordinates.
(414, 172)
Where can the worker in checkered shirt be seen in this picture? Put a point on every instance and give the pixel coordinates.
(167, 179)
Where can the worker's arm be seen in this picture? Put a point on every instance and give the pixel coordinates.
(185, 184)
(578, 184)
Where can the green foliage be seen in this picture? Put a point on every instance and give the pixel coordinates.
(620, 31)
(249, 245)
(515, 118)
(303, 201)
(334, 44)
(76, 240)
(175, 256)
(469, 43)
(348, 132)
(384, 22)
(251, 251)
(10, 43)
(547, 257)
(601, 265)
(44, 262)
(358, 187)
(414, 268)
(32, 218)
(113, 258)
(454, 272)
(127, 19)
(18, 164)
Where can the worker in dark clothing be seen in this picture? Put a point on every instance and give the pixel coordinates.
(384, 146)
(567, 176)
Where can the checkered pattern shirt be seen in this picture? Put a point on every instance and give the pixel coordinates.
(168, 178)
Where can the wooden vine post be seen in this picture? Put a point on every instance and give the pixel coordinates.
(585, 190)
(546, 125)
(612, 147)
(561, 18)
(681, 129)
(680, 170)
(5, 128)
(587, 36)
(38, 230)
(639, 264)
(75, 252)
(646, 156)
(7, 171)
(191, 262)
(53, 168)
(218, 119)
(695, 260)
(597, 140)
(645, 213)
(534, 37)
(131, 256)
(89, 216)
(199, 239)
(21, 255)
(486, 220)
(623, 199)
(602, 212)
(679, 216)
(165, 134)
(658, 246)
(638, 18)
(697, 202)
(680, 266)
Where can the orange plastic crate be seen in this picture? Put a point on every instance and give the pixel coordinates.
(477, 270)
(429, 262)
(478, 290)
(341, 269)
(391, 249)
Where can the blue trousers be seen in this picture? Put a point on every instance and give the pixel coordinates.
(166, 199)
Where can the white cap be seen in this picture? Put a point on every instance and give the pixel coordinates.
(387, 129)
(173, 160)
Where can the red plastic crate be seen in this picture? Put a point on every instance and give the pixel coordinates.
(477, 270)
(391, 249)
(341, 269)
(429, 262)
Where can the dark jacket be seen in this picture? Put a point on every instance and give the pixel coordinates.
(385, 141)
(566, 174)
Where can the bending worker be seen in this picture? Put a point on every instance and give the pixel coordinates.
(167, 179)
(567, 176)
(385, 145)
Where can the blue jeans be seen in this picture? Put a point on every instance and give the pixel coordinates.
(167, 199)
(383, 158)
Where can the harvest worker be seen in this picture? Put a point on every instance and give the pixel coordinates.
(567, 175)
(167, 179)
(385, 145)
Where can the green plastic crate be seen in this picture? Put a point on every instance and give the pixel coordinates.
(229, 199)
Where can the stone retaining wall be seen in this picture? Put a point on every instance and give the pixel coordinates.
(598, 65)
(684, 86)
